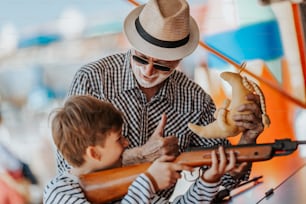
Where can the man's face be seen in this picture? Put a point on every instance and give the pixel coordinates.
(150, 72)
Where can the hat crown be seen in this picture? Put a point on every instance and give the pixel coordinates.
(166, 20)
(162, 29)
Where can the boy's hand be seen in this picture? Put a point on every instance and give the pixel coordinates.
(220, 165)
(165, 173)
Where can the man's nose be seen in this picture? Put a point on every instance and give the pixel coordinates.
(149, 68)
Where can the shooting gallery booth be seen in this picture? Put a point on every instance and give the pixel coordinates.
(42, 45)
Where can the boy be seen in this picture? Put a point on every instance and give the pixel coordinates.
(87, 132)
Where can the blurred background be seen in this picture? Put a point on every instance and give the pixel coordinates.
(43, 43)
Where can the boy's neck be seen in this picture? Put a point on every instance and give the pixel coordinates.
(78, 171)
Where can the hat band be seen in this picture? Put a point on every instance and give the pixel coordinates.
(155, 41)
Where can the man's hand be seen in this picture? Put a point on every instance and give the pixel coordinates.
(158, 145)
(252, 122)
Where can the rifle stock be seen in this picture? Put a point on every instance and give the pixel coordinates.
(112, 184)
(108, 185)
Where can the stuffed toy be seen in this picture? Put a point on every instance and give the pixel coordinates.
(224, 125)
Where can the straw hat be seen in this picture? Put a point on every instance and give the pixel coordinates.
(162, 29)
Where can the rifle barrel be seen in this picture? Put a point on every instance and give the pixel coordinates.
(301, 142)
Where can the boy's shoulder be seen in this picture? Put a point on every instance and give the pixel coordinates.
(65, 177)
(63, 185)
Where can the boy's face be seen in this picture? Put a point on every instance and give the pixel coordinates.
(112, 150)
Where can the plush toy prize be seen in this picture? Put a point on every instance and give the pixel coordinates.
(224, 125)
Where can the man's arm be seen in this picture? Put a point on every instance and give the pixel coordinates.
(252, 123)
(155, 147)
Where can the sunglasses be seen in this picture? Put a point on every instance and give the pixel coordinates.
(157, 66)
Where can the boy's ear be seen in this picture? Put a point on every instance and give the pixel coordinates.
(93, 153)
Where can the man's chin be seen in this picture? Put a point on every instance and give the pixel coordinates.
(147, 84)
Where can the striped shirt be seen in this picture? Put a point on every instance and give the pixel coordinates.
(111, 79)
(65, 188)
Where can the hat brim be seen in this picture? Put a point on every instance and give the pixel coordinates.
(155, 51)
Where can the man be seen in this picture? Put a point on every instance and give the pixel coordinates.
(158, 101)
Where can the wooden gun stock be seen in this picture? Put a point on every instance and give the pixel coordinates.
(109, 185)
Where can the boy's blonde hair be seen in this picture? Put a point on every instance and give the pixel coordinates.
(83, 121)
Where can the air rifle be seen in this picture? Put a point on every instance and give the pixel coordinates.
(112, 184)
